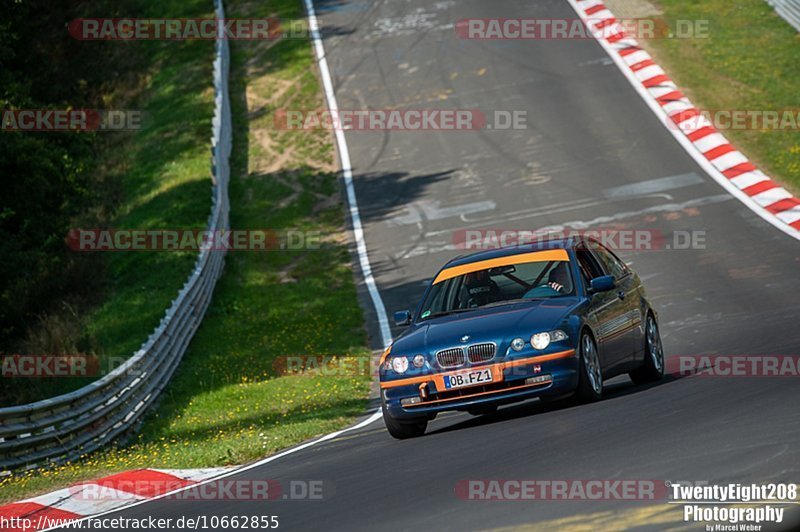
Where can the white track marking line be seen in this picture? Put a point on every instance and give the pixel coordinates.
(194, 475)
(386, 335)
(95, 499)
(687, 144)
(653, 186)
(431, 246)
(347, 172)
(374, 417)
(431, 210)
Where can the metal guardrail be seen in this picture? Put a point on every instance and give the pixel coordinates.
(68, 426)
(789, 10)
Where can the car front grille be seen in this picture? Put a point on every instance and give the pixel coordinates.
(481, 352)
(450, 358)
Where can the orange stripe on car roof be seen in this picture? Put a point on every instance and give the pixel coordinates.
(535, 256)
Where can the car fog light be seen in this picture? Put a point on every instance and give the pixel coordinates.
(541, 340)
(410, 401)
(400, 364)
(539, 379)
(517, 344)
(419, 361)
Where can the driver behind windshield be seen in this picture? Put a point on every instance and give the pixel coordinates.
(481, 289)
(559, 278)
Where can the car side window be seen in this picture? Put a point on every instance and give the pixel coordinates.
(589, 267)
(612, 264)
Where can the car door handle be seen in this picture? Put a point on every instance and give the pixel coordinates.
(621, 294)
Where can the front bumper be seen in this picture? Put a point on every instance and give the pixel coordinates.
(508, 386)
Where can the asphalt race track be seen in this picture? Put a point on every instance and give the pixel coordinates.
(593, 153)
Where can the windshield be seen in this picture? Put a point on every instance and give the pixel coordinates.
(498, 286)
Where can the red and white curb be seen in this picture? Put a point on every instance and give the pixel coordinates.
(721, 160)
(98, 496)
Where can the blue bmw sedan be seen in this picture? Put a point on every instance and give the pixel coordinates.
(546, 320)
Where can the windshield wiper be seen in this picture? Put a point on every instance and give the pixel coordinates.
(488, 305)
(510, 301)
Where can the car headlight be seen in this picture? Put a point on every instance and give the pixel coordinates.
(517, 344)
(542, 340)
(400, 364)
(418, 361)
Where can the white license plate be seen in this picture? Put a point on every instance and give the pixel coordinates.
(468, 378)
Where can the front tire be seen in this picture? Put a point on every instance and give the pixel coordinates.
(653, 367)
(590, 373)
(403, 431)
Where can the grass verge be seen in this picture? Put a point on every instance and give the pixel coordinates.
(748, 61)
(226, 405)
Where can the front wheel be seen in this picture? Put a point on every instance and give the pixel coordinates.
(590, 373)
(653, 367)
(403, 431)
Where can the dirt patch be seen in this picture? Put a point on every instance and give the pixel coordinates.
(272, 149)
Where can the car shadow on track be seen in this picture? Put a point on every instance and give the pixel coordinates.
(618, 387)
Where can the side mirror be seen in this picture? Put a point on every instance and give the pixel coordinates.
(402, 318)
(605, 283)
